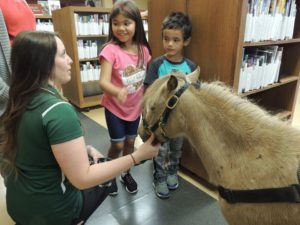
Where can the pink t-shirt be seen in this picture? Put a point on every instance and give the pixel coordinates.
(125, 74)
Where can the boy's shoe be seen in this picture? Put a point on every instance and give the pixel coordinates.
(161, 189)
(113, 188)
(129, 182)
(172, 181)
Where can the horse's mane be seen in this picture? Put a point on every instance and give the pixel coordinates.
(240, 115)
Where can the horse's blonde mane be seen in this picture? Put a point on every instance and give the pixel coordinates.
(242, 118)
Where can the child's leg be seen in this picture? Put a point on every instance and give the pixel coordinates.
(116, 130)
(174, 158)
(115, 149)
(159, 163)
(175, 154)
(131, 133)
(160, 172)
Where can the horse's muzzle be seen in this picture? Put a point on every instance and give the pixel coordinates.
(145, 134)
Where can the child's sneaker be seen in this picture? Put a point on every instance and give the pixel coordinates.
(161, 189)
(113, 188)
(129, 182)
(172, 181)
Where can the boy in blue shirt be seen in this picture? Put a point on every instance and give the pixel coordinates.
(176, 34)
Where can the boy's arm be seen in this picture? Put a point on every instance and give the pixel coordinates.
(152, 73)
(191, 64)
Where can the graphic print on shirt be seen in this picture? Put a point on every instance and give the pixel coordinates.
(133, 78)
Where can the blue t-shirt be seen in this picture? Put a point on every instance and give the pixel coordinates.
(161, 66)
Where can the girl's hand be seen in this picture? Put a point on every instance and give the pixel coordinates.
(93, 153)
(147, 150)
(122, 95)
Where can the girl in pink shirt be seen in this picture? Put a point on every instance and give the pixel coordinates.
(124, 61)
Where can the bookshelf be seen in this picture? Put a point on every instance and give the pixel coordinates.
(217, 47)
(83, 90)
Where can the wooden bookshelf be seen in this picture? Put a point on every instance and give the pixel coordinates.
(217, 47)
(64, 23)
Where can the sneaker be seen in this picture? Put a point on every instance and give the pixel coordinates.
(129, 182)
(172, 181)
(113, 188)
(161, 189)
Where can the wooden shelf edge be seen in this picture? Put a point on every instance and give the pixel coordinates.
(43, 16)
(89, 59)
(87, 9)
(279, 42)
(91, 36)
(284, 80)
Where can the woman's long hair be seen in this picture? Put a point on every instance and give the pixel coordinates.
(129, 9)
(32, 60)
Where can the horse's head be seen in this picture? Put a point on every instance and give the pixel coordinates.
(160, 99)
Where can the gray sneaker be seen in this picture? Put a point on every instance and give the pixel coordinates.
(161, 189)
(172, 181)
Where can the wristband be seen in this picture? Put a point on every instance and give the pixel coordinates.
(134, 162)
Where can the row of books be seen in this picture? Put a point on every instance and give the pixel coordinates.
(95, 24)
(260, 67)
(89, 71)
(270, 20)
(44, 25)
(88, 49)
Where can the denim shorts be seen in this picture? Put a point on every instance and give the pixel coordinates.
(119, 129)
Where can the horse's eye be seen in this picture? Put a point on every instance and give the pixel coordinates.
(152, 108)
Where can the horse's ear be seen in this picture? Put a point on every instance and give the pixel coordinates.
(194, 76)
(172, 83)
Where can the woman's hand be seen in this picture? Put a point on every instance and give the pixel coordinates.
(147, 150)
(93, 153)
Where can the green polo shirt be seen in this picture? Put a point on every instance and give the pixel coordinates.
(41, 194)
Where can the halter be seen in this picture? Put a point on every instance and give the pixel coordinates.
(163, 119)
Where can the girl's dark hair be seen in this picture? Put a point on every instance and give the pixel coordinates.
(180, 21)
(32, 60)
(129, 9)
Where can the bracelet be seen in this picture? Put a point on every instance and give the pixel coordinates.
(134, 162)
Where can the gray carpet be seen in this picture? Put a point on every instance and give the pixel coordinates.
(187, 205)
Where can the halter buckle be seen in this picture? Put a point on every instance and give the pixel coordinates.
(171, 105)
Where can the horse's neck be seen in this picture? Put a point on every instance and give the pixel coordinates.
(229, 151)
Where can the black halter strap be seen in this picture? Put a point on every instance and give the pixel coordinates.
(267, 195)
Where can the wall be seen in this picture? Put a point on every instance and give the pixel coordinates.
(142, 4)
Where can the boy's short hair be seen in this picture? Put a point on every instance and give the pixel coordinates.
(178, 20)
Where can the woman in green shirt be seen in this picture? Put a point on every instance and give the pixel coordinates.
(45, 163)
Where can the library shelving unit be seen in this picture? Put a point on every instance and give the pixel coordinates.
(217, 47)
(81, 94)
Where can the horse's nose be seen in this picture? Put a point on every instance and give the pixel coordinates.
(143, 133)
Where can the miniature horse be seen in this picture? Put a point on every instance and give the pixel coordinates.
(251, 156)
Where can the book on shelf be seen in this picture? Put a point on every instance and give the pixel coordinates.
(260, 67)
(36, 9)
(45, 7)
(53, 5)
(93, 24)
(270, 20)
